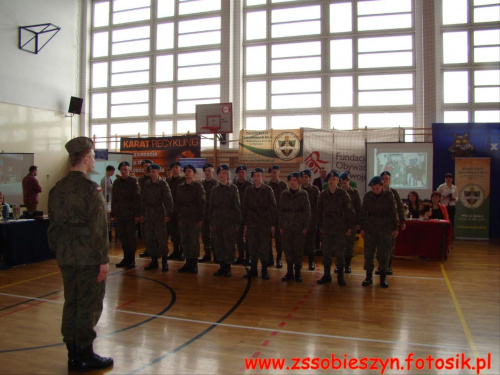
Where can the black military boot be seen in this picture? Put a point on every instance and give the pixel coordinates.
(87, 360)
(265, 274)
(186, 267)
(348, 265)
(289, 272)
(298, 277)
(144, 254)
(312, 266)
(327, 277)
(270, 262)
(72, 360)
(220, 271)
(252, 272)
(279, 263)
(368, 280)
(193, 265)
(336, 269)
(164, 264)
(377, 271)
(239, 261)
(205, 258)
(227, 270)
(383, 281)
(152, 265)
(340, 277)
(389, 270)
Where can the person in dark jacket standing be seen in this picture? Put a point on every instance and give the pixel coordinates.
(313, 193)
(294, 212)
(126, 207)
(278, 187)
(31, 189)
(173, 226)
(225, 217)
(379, 226)
(242, 184)
(190, 206)
(142, 181)
(208, 184)
(78, 236)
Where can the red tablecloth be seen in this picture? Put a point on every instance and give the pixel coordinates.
(429, 239)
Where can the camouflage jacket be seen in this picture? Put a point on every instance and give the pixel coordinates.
(191, 201)
(399, 206)
(224, 206)
(259, 207)
(313, 193)
(335, 212)
(294, 210)
(278, 188)
(78, 230)
(173, 183)
(157, 199)
(208, 185)
(126, 198)
(242, 187)
(356, 203)
(378, 212)
(142, 181)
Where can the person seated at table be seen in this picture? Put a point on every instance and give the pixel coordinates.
(425, 211)
(439, 211)
(5, 208)
(413, 205)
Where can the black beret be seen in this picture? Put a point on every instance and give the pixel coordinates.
(153, 166)
(175, 163)
(306, 172)
(124, 164)
(257, 170)
(78, 144)
(376, 180)
(208, 165)
(293, 174)
(275, 166)
(222, 167)
(189, 166)
(333, 173)
(385, 173)
(147, 161)
(241, 168)
(344, 176)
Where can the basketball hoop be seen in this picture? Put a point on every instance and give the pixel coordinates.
(212, 129)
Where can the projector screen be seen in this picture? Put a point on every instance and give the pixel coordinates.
(13, 168)
(410, 165)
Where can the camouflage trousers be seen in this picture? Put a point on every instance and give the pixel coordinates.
(333, 244)
(242, 243)
(349, 243)
(293, 244)
(206, 236)
(310, 240)
(259, 240)
(83, 303)
(223, 239)
(156, 235)
(125, 231)
(278, 244)
(190, 239)
(381, 244)
(173, 232)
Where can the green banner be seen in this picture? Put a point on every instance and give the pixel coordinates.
(472, 178)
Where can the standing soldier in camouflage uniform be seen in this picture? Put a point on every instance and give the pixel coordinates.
(208, 183)
(225, 218)
(173, 226)
(294, 212)
(335, 219)
(157, 207)
(191, 203)
(260, 219)
(356, 204)
(142, 181)
(379, 225)
(242, 184)
(126, 207)
(313, 193)
(278, 187)
(78, 236)
(386, 179)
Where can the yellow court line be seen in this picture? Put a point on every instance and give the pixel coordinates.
(465, 327)
(26, 281)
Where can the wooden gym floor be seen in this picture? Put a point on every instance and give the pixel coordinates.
(172, 323)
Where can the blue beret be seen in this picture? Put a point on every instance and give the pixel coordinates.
(376, 180)
(344, 176)
(257, 170)
(208, 165)
(189, 166)
(175, 163)
(306, 172)
(146, 162)
(333, 173)
(385, 173)
(275, 166)
(241, 168)
(293, 174)
(124, 164)
(222, 167)
(153, 166)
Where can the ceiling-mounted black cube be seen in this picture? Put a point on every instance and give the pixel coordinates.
(75, 105)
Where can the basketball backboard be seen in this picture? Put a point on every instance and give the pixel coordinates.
(214, 118)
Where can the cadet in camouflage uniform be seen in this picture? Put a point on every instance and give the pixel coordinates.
(386, 180)
(242, 184)
(225, 217)
(278, 187)
(126, 207)
(173, 226)
(260, 219)
(157, 208)
(78, 236)
(294, 212)
(313, 193)
(208, 183)
(190, 203)
(335, 219)
(356, 204)
(379, 225)
(142, 181)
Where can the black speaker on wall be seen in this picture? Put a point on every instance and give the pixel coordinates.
(75, 105)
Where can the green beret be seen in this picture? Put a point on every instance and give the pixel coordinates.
(78, 144)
